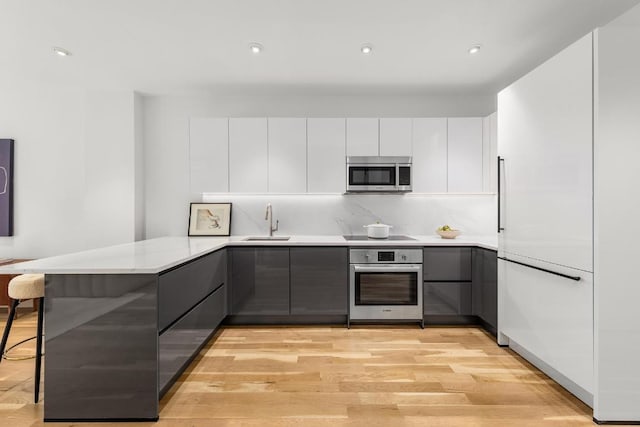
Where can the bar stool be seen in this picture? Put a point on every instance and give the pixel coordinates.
(26, 286)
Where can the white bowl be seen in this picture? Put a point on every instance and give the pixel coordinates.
(449, 234)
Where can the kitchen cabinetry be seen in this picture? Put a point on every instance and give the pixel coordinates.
(287, 155)
(464, 147)
(489, 153)
(545, 128)
(447, 281)
(485, 287)
(430, 155)
(326, 151)
(248, 155)
(209, 155)
(319, 281)
(363, 137)
(551, 317)
(260, 281)
(395, 137)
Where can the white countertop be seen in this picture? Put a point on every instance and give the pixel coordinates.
(156, 255)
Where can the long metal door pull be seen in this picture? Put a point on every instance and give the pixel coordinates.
(566, 276)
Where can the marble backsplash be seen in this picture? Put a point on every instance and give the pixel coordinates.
(413, 214)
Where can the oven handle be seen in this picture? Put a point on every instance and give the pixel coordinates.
(388, 268)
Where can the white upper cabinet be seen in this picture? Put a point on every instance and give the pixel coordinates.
(287, 155)
(430, 155)
(490, 153)
(395, 137)
(362, 137)
(209, 155)
(248, 155)
(465, 154)
(326, 164)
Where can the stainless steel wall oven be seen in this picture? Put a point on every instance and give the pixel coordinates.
(385, 284)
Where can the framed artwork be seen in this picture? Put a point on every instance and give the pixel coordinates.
(6, 187)
(210, 219)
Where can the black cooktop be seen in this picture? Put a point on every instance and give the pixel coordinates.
(391, 237)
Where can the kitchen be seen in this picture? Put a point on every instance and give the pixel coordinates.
(134, 207)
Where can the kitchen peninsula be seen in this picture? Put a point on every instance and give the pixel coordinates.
(123, 322)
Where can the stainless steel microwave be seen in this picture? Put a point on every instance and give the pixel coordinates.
(378, 174)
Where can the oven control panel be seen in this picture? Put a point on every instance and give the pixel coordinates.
(385, 256)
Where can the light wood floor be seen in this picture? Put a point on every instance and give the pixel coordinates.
(332, 376)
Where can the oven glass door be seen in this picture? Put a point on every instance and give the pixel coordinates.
(386, 288)
(372, 175)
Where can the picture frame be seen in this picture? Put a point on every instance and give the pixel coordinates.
(209, 219)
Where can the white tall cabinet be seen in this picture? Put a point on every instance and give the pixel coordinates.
(545, 141)
(248, 155)
(287, 155)
(326, 149)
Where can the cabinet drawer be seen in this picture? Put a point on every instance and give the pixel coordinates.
(179, 343)
(447, 264)
(452, 298)
(182, 288)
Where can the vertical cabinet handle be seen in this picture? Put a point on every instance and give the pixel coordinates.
(500, 228)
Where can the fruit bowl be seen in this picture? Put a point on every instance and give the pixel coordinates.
(448, 234)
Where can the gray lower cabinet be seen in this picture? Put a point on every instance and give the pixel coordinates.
(319, 281)
(260, 281)
(447, 298)
(181, 288)
(447, 264)
(485, 286)
(178, 344)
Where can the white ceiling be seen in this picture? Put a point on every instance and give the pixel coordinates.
(311, 46)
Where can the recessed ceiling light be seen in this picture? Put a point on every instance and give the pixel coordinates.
(366, 49)
(475, 49)
(61, 52)
(255, 47)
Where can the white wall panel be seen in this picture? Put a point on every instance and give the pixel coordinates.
(209, 154)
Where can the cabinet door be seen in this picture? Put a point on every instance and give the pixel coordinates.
(287, 155)
(326, 162)
(551, 317)
(362, 137)
(464, 154)
(209, 155)
(546, 139)
(395, 137)
(447, 298)
(430, 155)
(319, 280)
(260, 281)
(248, 155)
(447, 264)
(485, 286)
(489, 153)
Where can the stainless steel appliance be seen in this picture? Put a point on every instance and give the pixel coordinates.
(385, 284)
(378, 174)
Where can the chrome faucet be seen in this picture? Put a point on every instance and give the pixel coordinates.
(269, 216)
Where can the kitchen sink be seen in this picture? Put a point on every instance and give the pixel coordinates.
(267, 238)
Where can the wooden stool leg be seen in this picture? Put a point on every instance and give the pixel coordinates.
(7, 328)
(39, 346)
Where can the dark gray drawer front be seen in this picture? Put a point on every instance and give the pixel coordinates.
(179, 343)
(319, 280)
(182, 288)
(442, 264)
(447, 298)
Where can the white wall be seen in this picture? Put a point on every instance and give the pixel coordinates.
(617, 220)
(73, 186)
(166, 124)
